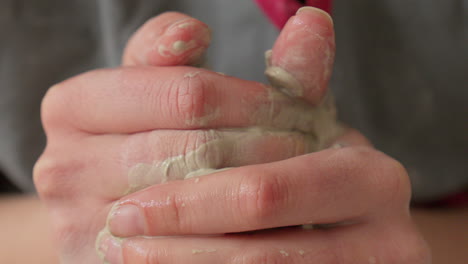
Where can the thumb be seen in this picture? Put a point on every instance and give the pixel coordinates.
(169, 39)
(301, 61)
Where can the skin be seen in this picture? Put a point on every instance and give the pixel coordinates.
(232, 216)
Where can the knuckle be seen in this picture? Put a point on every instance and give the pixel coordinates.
(190, 98)
(52, 176)
(394, 182)
(179, 221)
(53, 105)
(260, 197)
(383, 174)
(62, 103)
(409, 248)
(65, 229)
(419, 254)
(400, 186)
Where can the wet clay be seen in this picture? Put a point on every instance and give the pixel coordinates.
(281, 113)
(212, 156)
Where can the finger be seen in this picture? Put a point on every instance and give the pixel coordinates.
(167, 40)
(301, 61)
(286, 245)
(126, 164)
(330, 186)
(350, 137)
(277, 246)
(135, 99)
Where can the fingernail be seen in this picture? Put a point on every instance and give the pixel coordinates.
(314, 9)
(126, 220)
(111, 250)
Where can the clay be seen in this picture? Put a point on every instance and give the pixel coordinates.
(180, 46)
(318, 124)
(284, 81)
(279, 114)
(209, 157)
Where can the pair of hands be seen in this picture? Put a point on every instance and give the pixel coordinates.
(118, 138)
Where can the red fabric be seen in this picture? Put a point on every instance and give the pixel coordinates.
(279, 11)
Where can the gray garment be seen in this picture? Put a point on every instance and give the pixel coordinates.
(401, 78)
(398, 76)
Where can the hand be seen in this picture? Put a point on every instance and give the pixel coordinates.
(93, 159)
(106, 129)
(83, 169)
(360, 193)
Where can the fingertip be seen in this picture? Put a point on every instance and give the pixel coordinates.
(182, 43)
(305, 50)
(313, 11)
(168, 40)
